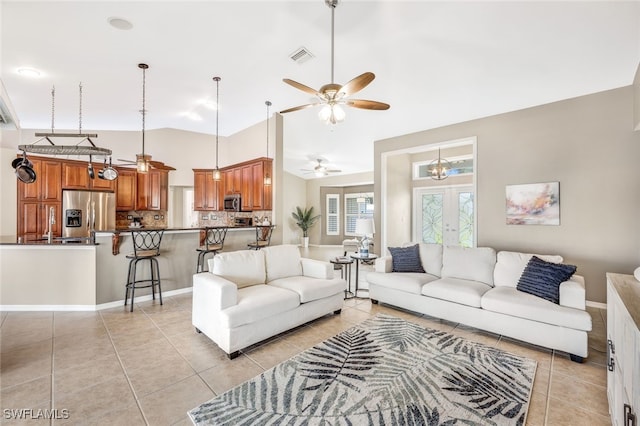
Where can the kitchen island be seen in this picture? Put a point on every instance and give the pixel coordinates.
(84, 276)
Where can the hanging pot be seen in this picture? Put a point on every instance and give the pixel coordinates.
(108, 172)
(24, 170)
(90, 169)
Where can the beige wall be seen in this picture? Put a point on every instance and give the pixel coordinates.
(294, 191)
(397, 204)
(588, 145)
(313, 194)
(636, 100)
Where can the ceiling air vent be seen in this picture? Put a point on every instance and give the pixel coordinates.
(301, 55)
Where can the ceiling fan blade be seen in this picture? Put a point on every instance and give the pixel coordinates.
(364, 104)
(358, 83)
(298, 108)
(301, 86)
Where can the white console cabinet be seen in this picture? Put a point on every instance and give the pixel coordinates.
(623, 349)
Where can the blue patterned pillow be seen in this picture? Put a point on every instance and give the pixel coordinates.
(406, 259)
(543, 279)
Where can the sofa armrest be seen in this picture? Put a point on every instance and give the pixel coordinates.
(572, 293)
(215, 292)
(316, 268)
(384, 264)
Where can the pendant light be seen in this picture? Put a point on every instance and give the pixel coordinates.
(142, 160)
(267, 176)
(216, 172)
(439, 168)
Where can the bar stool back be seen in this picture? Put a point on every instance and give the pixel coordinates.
(263, 237)
(213, 243)
(146, 246)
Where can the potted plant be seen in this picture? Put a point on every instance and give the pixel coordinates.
(305, 220)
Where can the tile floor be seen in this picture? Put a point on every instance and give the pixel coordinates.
(114, 367)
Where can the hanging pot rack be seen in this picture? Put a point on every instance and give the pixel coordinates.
(53, 149)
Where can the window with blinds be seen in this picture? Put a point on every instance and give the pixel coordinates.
(356, 206)
(333, 214)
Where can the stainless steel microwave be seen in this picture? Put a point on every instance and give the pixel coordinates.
(232, 203)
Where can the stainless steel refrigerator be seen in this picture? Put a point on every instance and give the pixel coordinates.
(86, 211)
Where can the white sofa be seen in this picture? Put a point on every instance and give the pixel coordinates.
(250, 295)
(477, 287)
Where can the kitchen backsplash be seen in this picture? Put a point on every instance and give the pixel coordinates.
(149, 219)
(228, 218)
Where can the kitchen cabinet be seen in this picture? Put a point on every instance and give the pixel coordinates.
(126, 186)
(246, 188)
(205, 191)
(35, 199)
(623, 344)
(142, 191)
(246, 179)
(75, 175)
(152, 190)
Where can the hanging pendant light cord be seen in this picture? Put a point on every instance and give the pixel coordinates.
(53, 106)
(268, 104)
(217, 80)
(333, 12)
(144, 105)
(80, 110)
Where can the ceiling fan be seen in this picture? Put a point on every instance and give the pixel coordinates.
(320, 170)
(332, 95)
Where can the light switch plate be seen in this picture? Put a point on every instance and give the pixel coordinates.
(129, 217)
(156, 217)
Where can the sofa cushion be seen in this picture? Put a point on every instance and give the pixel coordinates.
(256, 303)
(242, 267)
(464, 292)
(511, 264)
(543, 279)
(409, 282)
(475, 264)
(430, 257)
(310, 289)
(406, 259)
(282, 261)
(510, 301)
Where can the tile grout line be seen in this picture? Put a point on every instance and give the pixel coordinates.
(126, 376)
(196, 373)
(548, 398)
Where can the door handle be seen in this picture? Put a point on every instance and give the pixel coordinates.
(629, 417)
(610, 351)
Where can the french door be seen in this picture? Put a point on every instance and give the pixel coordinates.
(445, 215)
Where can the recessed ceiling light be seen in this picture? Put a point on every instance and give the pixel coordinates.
(29, 72)
(120, 23)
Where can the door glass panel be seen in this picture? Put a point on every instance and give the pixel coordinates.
(432, 207)
(465, 219)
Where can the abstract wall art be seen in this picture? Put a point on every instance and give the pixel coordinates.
(533, 204)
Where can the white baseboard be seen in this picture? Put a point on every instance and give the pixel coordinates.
(109, 305)
(598, 305)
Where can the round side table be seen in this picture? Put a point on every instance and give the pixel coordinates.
(345, 269)
(360, 258)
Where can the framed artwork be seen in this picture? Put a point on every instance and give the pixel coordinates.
(533, 204)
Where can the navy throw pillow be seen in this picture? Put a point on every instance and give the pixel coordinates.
(406, 259)
(543, 279)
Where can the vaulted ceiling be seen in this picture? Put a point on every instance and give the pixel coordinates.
(436, 63)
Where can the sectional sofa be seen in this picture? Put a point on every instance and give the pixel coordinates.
(250, 295)
(478, 287)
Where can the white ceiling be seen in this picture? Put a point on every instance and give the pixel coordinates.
(436, 63)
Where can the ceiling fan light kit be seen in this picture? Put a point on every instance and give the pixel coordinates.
(332, 96)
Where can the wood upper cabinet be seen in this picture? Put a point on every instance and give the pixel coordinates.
(35, 200)
(246, 188)
(261, 197)
(246, 179)
(152, 190)
(126, 186)
(205, 190)
(142, 191)
(75, 175)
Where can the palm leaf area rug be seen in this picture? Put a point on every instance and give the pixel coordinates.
(384, 371)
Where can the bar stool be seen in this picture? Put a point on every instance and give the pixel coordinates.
(146, 246)
(263, 237)
(213, 243)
